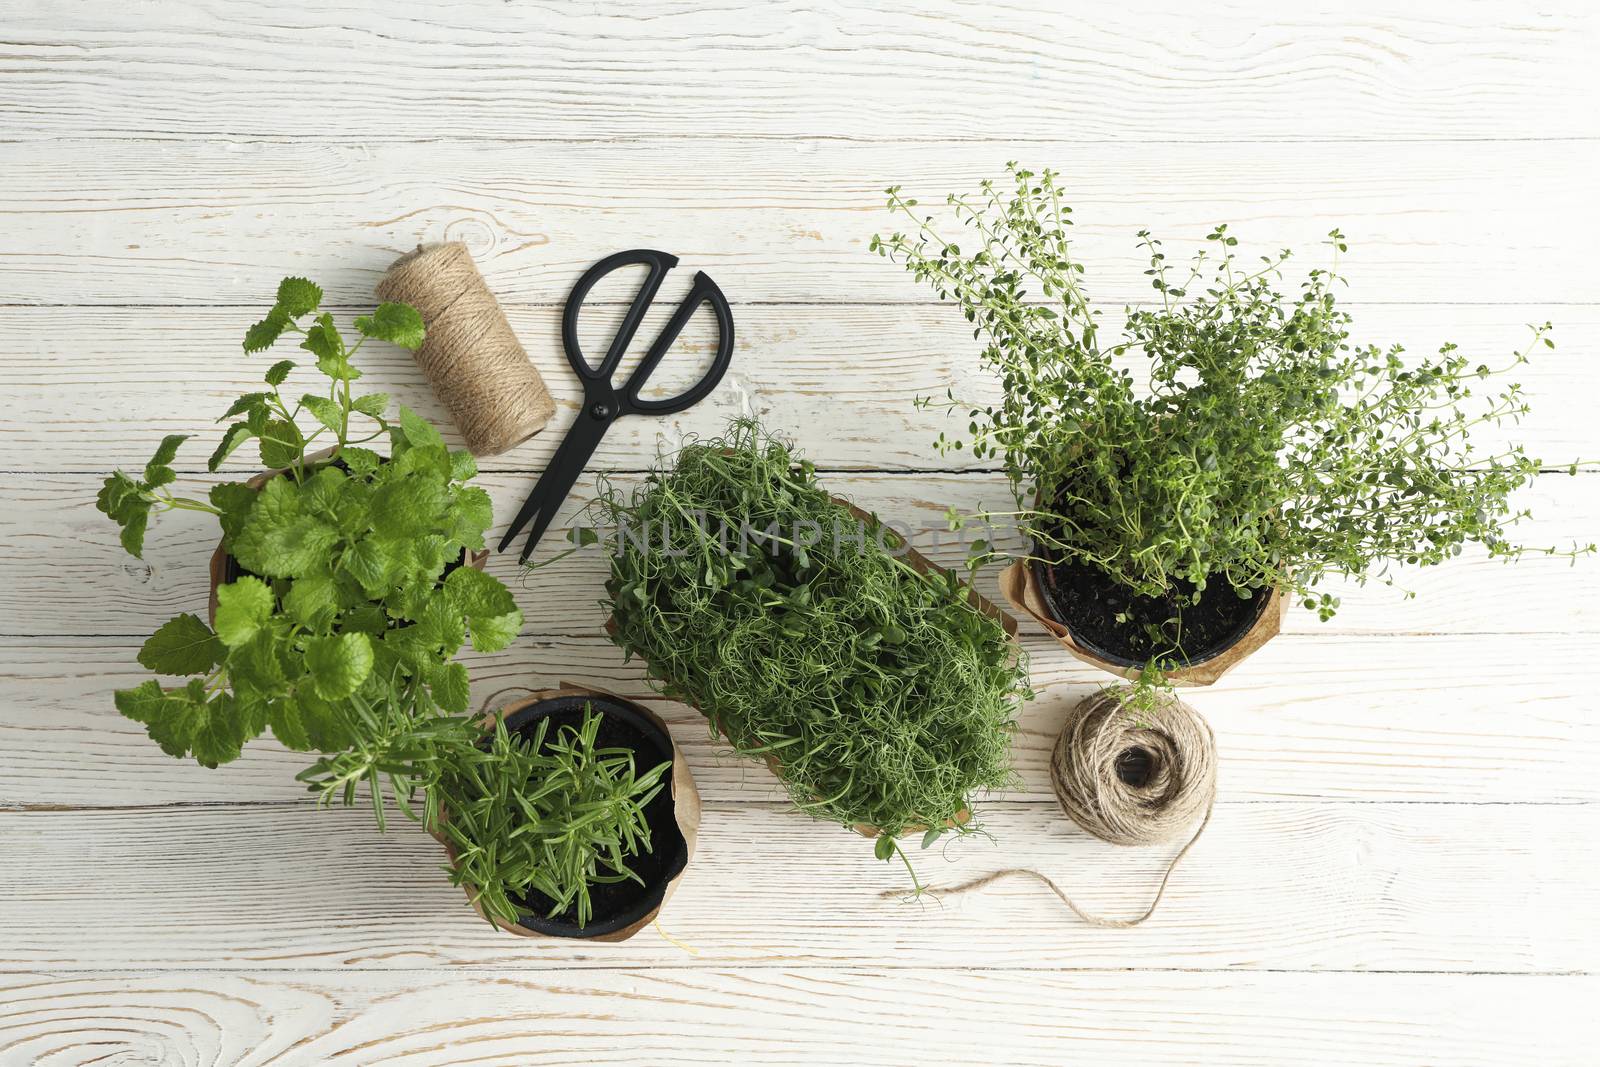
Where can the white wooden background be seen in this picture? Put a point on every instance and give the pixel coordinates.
(1402, 867)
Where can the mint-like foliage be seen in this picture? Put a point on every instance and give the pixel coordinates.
(344, 605)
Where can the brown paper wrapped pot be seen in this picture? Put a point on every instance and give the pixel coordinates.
(1020, 586)
(685, 810)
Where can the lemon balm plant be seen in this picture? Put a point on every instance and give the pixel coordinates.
(1232, 445)
(340, 603)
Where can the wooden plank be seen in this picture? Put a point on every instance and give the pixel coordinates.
(799, 1016)
(90, 586)
(1270, 886)
(1356, 719)
(220, 222)
(942, 68)
(93, 388)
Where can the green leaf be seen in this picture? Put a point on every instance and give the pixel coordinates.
(372, 404)
(298, 296)
(361, 461)
(166, 452)
(324, 411)
(312, 601)
(323, 340)
(288, 725)
(491, 633)
(261, 336)
(187, 720)
(398, 324)
(236, 435)
(234, 500)
(418, 430)
(183, 645)
(218, 735)
(280, 539)
(338, 664)
(279, 371)
(281, 443)
(119, 497)
(472, 514)
(132, 537)
(450, 688)
(371, 565)
(256, 669)
(408, 507)
(246, 402)
(477, 593)
(883, 848)
(441, 625)
(143, 702)
(463, 467)
(243, 607)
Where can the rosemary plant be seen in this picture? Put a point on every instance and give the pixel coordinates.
(881, 696)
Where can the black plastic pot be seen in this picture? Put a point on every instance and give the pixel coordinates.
(619, 908)
(1091, 623)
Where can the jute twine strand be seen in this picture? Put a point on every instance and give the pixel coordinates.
(470, 357)
(1131, 777)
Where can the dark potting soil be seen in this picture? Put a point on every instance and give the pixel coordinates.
(1087, 601)
(615, 904)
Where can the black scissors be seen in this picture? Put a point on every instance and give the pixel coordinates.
(603, 403)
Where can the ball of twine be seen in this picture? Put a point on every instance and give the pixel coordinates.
(1129, 775)
(1134, 775)
(470, 356)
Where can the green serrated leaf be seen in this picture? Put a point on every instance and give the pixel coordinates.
(399, 324)
(156, 477)
(280, 539)
(166, 452)
(408, 507)
(372, 404)
(312, 601)
(243, 607)
(463, 467)
(418, 430)
(236, 435)
(338, 664)
(477, 593)
(450, 688)
(245, 403)
(441, 626)
(219, 735)
(324, 411)
(288, 725)
(279, 372)
(133, 528)
(323, 340)
(183, 645)
(234, 500)
(257, 668)
(491, 633)
(472, 514)
(261, 336)
(298, 296)
(119, 497)
(281, 443)
(370, 565)
(361, 461)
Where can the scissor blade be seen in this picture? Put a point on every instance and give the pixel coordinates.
(556, 482)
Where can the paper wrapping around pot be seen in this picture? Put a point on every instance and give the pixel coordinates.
(219, 558)
(1020, 586)
(685, 811)
(922, 565)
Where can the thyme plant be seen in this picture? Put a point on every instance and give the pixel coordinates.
(1234, 433)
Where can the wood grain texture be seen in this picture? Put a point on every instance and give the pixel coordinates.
(1311, 717)
(1491, 887)
(220, 222)
(1148, 70)
(92, 587)
(791, 1017)
(90, 389)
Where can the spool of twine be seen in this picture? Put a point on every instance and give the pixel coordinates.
(470, 356)
(1130, 776)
